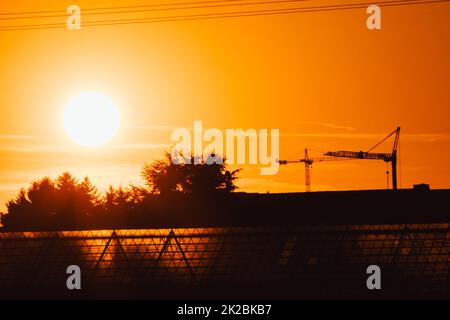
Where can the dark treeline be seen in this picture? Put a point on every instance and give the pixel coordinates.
(66, 203)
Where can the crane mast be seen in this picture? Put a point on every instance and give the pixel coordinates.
(308, 164)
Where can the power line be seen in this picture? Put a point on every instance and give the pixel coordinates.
(124, 7)
(205, 16)
(166, 9)
(221, 15)
(128, 7)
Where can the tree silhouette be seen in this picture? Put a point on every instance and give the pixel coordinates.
(68, 203)
(48, 204)
(162, 176)
(117, 200)
(201, 176)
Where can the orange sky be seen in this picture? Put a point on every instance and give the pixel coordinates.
(322, 78)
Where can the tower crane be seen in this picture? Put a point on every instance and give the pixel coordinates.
(308, 164)
(386, 157)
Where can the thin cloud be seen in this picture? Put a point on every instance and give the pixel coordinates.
(153, 128)
(422, 137)
(47, 148)
(332, 135)
(11, 187)
(35, 149)
(15, 137)
(329, 125)
(143, 146)
(335, 126)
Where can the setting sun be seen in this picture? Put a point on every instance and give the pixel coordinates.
(90, 119)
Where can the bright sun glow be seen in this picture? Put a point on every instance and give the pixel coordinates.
(91, 119)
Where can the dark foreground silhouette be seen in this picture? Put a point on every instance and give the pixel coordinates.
(67, 203)
(291, 246)
(195, 238)
(244, 209)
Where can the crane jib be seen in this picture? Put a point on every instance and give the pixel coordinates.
(361, 155)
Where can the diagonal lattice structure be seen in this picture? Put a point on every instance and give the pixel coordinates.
(414, 258)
